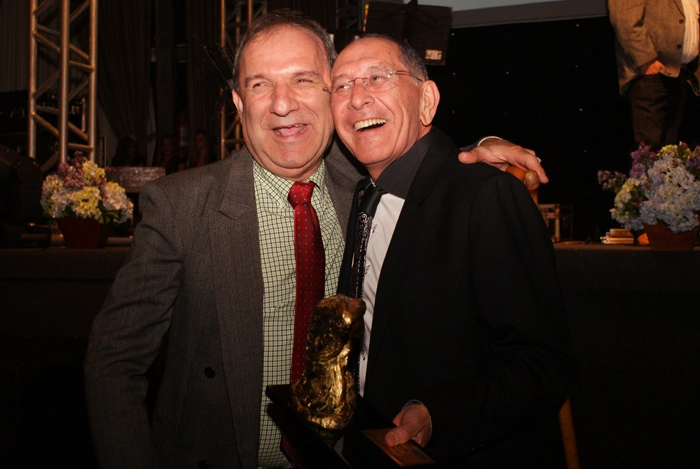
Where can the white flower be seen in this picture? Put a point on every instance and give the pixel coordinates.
(114, 199)
(673, 197)
(54, 196)
(619, 213)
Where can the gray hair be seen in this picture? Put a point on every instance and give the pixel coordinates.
(265, 24)
(408, 55)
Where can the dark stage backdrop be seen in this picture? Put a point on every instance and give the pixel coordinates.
(549, 86)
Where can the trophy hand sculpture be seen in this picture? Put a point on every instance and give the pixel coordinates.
(325, 394)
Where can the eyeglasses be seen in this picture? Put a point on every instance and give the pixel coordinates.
(381, 80)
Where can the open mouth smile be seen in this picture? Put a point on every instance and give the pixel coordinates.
(369, 124)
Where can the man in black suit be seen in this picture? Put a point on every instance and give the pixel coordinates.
(466, 341)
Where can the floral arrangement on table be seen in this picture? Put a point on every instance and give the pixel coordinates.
(80, 188)
(662, 186)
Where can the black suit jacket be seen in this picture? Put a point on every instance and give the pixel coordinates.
(469, 318)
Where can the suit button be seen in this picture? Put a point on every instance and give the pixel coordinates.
(209, 373)
(679, 46)
(203, 465)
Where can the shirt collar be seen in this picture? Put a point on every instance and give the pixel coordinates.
(397, 178)
(278, 187)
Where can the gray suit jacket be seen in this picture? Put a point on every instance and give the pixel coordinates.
(193, 271)
(647, 30)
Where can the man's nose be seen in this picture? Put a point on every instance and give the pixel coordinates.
(284, 100)
(360, 95)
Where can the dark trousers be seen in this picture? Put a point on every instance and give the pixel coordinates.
(658, 104)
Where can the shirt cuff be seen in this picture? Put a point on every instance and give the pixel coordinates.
(487, 138)
(474, 145)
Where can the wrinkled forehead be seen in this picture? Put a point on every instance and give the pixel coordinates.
(287, 37)
(366, 56)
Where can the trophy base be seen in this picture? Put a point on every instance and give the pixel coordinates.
(358, 446)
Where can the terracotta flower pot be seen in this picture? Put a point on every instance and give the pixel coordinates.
(83, 233)
(661, 238)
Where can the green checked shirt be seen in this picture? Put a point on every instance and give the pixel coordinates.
(276, 224)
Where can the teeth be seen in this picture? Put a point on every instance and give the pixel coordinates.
(280, 130)
(369, 123)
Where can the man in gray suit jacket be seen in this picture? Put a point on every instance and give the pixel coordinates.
(657, 50)
(204, 265)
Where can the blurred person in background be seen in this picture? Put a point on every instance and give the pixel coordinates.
(128, 154)
(657, 64)
(166, 157)
(203, 154)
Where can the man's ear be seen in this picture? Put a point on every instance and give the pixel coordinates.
(429, 100)
(237, 101)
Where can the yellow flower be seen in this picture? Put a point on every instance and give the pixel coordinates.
(92, 172)
(85, 203)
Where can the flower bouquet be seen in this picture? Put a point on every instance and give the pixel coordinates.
(82, 201)
(661, 187)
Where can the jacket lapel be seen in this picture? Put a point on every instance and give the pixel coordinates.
(239, 300)
(342, 177)
(398, 256)
(235, 245)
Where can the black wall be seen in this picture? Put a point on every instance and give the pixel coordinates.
(551, 87)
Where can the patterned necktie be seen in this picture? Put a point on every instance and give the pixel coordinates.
(310, 278)
(310, 269)
(368, 206)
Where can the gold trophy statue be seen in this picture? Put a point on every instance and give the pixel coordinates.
(325, 394)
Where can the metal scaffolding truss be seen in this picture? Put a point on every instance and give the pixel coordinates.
(235, 18)
(70, 59)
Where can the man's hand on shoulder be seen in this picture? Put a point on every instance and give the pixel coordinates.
(501, 153)
(412, 423)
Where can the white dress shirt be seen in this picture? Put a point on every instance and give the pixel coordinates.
(691, 39)
(383, 225)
